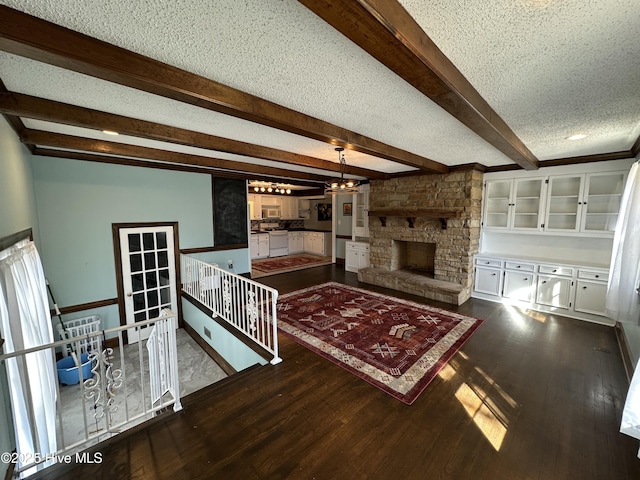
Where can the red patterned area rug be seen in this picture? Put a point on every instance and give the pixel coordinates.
(289, 263)
(397, 345)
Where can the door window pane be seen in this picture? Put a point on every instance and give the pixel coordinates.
(161, 240)
(147, 240)
(138, 302)
(163, 259)
(152, 298)
(152, 281)
(135, 262)
(165, 296)
(164, 277)
(153, 313)
(137, 282)
(149, 261)
(140, 316)
(134, 242)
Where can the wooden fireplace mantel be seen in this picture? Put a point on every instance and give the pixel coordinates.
(411, 215)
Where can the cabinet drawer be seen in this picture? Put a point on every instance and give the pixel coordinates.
(556, 270)
(523, 267)
(594, 275)
(488, 262)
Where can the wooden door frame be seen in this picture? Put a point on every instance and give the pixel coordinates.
(115, 231)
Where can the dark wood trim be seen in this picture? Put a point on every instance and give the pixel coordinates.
(454, 168)
(343, 237)
(209, 350)
(385, 30)
(37, 39)
(117, 252)
(10, 240)
(86, 306)
(635, 149)
(58, 140)
(233, 331)
(340, 262)
(624, 350)
(219, 248)
(58, 112)
(603, 157)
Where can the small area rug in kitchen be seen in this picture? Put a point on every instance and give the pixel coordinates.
(289, 263)
(397, 345)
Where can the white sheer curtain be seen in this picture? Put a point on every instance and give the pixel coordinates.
(25, 323)
(623, 302)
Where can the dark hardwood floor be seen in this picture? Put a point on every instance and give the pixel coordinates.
(529, 396)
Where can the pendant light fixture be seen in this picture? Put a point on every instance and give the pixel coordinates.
(341, 186)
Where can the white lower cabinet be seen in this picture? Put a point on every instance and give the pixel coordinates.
(356, 256)
(569, 290)
(554, 291)
(517, 285)
(488, 280)
(590, 297)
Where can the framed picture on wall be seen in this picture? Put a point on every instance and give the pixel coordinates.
(324, 211)
(346, 209)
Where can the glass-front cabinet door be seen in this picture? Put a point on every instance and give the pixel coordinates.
(564, 205)
(497, 197)
(526, 204)
(601, 203)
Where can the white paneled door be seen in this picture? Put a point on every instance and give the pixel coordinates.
(148, 275)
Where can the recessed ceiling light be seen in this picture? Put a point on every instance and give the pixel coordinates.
(577, 136)
(109, 132)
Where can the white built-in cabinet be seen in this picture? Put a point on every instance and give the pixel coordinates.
(556, 204)
(291, 208)
(361, 212)
(570, 290)
(357, 256)
(255, 206)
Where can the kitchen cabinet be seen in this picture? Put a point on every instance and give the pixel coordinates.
(259, 245)
(255, 206)
(356, 256)
(572, 290)
(361, 212)
(317, 243)
(289, 208)
(296, 242)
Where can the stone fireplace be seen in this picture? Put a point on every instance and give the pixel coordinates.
(423, 233)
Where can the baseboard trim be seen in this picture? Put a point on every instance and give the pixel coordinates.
(209, 350)
(623, 344)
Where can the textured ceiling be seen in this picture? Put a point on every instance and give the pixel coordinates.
(548, 68)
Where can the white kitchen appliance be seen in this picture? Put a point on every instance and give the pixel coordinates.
(278, 239)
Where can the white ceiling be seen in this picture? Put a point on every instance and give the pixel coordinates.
(549, 68)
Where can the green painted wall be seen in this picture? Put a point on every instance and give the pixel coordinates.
(78, 201)
(229, 347)
(17, 201)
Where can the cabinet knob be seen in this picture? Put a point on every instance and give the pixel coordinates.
(493, 274)
(544, 281)
(555, 270)
(584, 288)
(597, 276)
(518, 266)
(525, 279)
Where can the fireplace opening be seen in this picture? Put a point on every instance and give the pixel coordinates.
(416, 257)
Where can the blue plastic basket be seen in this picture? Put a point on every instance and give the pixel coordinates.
(68, 372)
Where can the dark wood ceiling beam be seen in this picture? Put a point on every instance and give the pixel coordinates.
(52, 111)
(92, 157)
(31, 37)
(57, 140)
(386, 31)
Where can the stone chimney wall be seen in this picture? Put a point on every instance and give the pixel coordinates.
(456, 244)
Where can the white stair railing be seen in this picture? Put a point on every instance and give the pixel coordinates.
(245, 304)
(111, 389)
